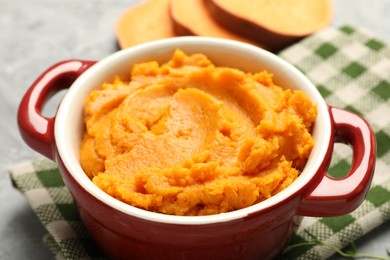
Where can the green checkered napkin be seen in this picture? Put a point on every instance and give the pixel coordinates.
(350, 67)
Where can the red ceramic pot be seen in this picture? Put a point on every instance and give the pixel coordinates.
(257, 232)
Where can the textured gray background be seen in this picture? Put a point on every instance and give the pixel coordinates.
(35, 34)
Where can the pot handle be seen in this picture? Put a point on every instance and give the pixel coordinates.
(36, 129)
(335, 197)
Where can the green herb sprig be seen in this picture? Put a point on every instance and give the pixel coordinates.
(351, 253)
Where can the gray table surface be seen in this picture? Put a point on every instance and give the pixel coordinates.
(36, 34)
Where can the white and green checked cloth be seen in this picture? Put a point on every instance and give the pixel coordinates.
(351, 69)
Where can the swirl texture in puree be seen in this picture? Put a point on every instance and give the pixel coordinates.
(191, 138)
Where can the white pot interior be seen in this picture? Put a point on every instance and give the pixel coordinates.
(69, 126)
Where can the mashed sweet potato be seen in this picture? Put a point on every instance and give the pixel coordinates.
(191, 138)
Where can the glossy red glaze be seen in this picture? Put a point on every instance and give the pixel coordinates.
(36, 129)
(126, 237)
(259, 235)
(331, 197)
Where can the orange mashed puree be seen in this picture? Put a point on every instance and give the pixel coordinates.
(191, 138)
